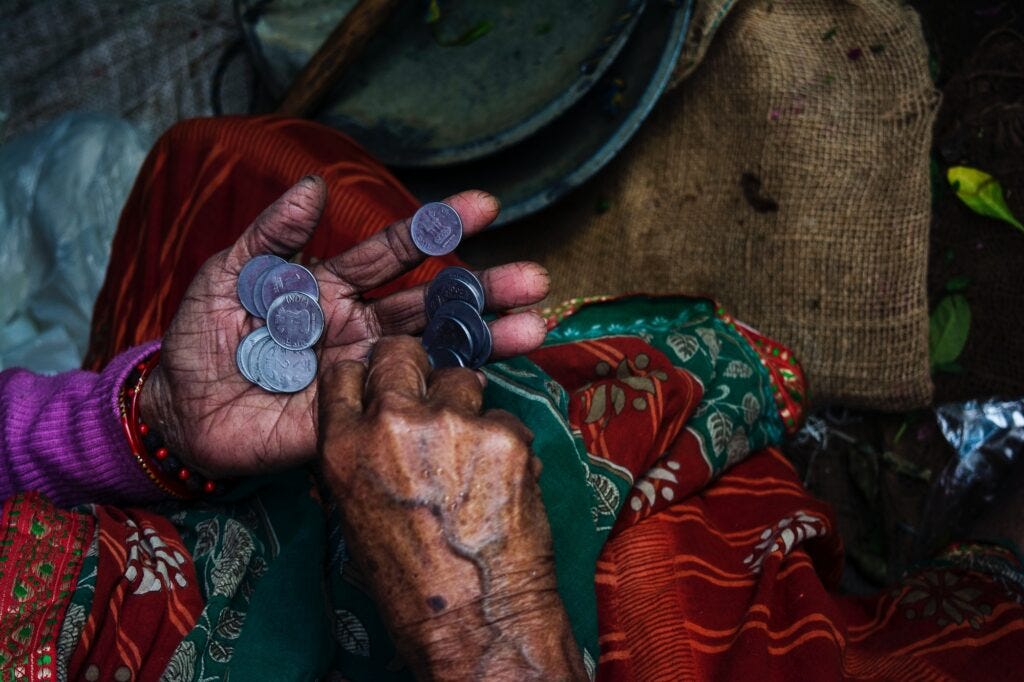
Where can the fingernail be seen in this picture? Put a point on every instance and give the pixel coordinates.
(541, 322)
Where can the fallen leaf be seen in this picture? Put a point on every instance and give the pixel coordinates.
(982, 193)
(433, 13)
(474, 34)
(948, 327)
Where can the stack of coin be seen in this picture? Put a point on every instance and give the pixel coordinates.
(456, 335)
(278, 357)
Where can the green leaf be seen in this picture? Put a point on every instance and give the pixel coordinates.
(982, 193)
(433, 13)
(900, 431)
(948, 328)
(958, 284)
(474, 34)
(905, 467)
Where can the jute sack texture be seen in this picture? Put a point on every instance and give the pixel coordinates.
(787, 175)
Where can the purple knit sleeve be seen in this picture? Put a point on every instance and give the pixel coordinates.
(61, 435)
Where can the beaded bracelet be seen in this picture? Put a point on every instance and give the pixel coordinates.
(149, 448)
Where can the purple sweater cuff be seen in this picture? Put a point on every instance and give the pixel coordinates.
(61, 435)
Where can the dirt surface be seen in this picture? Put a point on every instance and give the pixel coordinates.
(877, 469)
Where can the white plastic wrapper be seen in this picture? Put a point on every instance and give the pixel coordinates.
(62, 188)
(988, 439)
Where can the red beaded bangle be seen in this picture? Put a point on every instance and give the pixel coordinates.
(162, 467)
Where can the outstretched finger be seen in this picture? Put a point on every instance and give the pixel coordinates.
(285, 226)
(517, 334)
(505, 286)
(391, 252)
(398, 367)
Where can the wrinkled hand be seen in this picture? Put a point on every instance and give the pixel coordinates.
(223, 425)
(443, 514)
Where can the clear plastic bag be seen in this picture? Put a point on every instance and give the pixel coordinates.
(988, 439)
(62, 188)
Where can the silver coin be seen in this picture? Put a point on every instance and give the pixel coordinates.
(444, 357)
(479, 332)
(253, 362)
(295, 320)
(454, 284)
(286, 371)
(244, 351)
(257, 295)
(248, 276)
(436, 229)
(448, 332)
(286, 278)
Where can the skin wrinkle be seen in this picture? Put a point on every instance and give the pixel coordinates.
(220, 424)
(437, 500)
(497, 278)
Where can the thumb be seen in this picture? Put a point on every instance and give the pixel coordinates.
(285, 226)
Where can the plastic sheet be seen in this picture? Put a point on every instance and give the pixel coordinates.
(62, 188)
(988, 437)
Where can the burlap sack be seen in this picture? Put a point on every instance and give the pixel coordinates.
(788, 177)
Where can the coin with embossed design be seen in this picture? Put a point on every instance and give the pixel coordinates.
(295, 320)
(436, 229)
(285, 278)
(286, 371)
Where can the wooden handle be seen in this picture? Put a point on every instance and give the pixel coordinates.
(341, 48)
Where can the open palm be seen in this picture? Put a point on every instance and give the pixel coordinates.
(224, 425)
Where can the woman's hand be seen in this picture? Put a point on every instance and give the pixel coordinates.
(442, 512)
(220, 423)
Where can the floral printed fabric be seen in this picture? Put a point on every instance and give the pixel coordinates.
(634, 404)
(662, 498)
(41, 550)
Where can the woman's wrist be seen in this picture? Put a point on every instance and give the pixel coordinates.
(156, 409)
(520, 636)
(457, 611)
(155, 435)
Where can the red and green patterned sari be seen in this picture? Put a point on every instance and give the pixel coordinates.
(686, 547)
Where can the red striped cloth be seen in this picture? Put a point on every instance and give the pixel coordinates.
(733, 581)
(202, 184)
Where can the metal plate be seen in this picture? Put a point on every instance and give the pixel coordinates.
(538, 171)
(416, 99)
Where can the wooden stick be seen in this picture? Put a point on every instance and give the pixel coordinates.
(341, 48)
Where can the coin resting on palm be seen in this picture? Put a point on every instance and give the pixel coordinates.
(252, 271)
(295, 320)
(277, 357)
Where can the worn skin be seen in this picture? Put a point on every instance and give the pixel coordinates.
(442, 511)
(221, 424)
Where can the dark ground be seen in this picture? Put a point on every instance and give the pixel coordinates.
(878, 470)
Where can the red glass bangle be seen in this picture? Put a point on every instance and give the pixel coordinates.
(160, 465)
